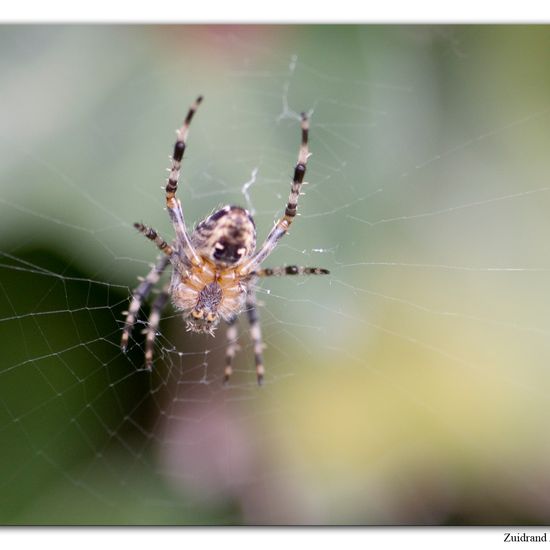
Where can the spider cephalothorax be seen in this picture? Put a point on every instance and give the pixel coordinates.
(206, 294)
(205, 316)
(214, 270)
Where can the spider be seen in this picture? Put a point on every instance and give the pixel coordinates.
(215, 268)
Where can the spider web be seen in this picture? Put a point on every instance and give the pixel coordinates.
(408, 386)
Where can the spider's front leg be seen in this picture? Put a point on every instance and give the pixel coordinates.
(282, 226)
(173, 204)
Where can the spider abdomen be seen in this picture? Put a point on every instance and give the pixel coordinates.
(227, 237)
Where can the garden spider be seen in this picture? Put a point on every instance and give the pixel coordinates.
(215, 269)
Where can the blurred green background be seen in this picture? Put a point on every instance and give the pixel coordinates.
(407, 387)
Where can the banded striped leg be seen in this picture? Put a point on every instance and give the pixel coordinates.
(139, 295)
(153, 324)
(231, 350)
(282, 226)
(152, 235)
(291, 270)
(173, 204)
(256, 334)
(163, 246)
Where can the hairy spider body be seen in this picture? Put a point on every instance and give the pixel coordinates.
(213, 290)
(215, 269)
(226, 237)
(206, 295)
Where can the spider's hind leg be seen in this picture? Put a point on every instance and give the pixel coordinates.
(139, 295)
(152, 326)
(256, 334)
(231, 350)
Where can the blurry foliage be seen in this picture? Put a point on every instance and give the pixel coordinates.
(65, 400)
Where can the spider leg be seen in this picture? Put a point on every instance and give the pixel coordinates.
(232, 348)
(152, 235)
(290, 270)
(164, 247)
(139, 295)
(152, 326)
(256, 334)
(173, 204)
(282, 226)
